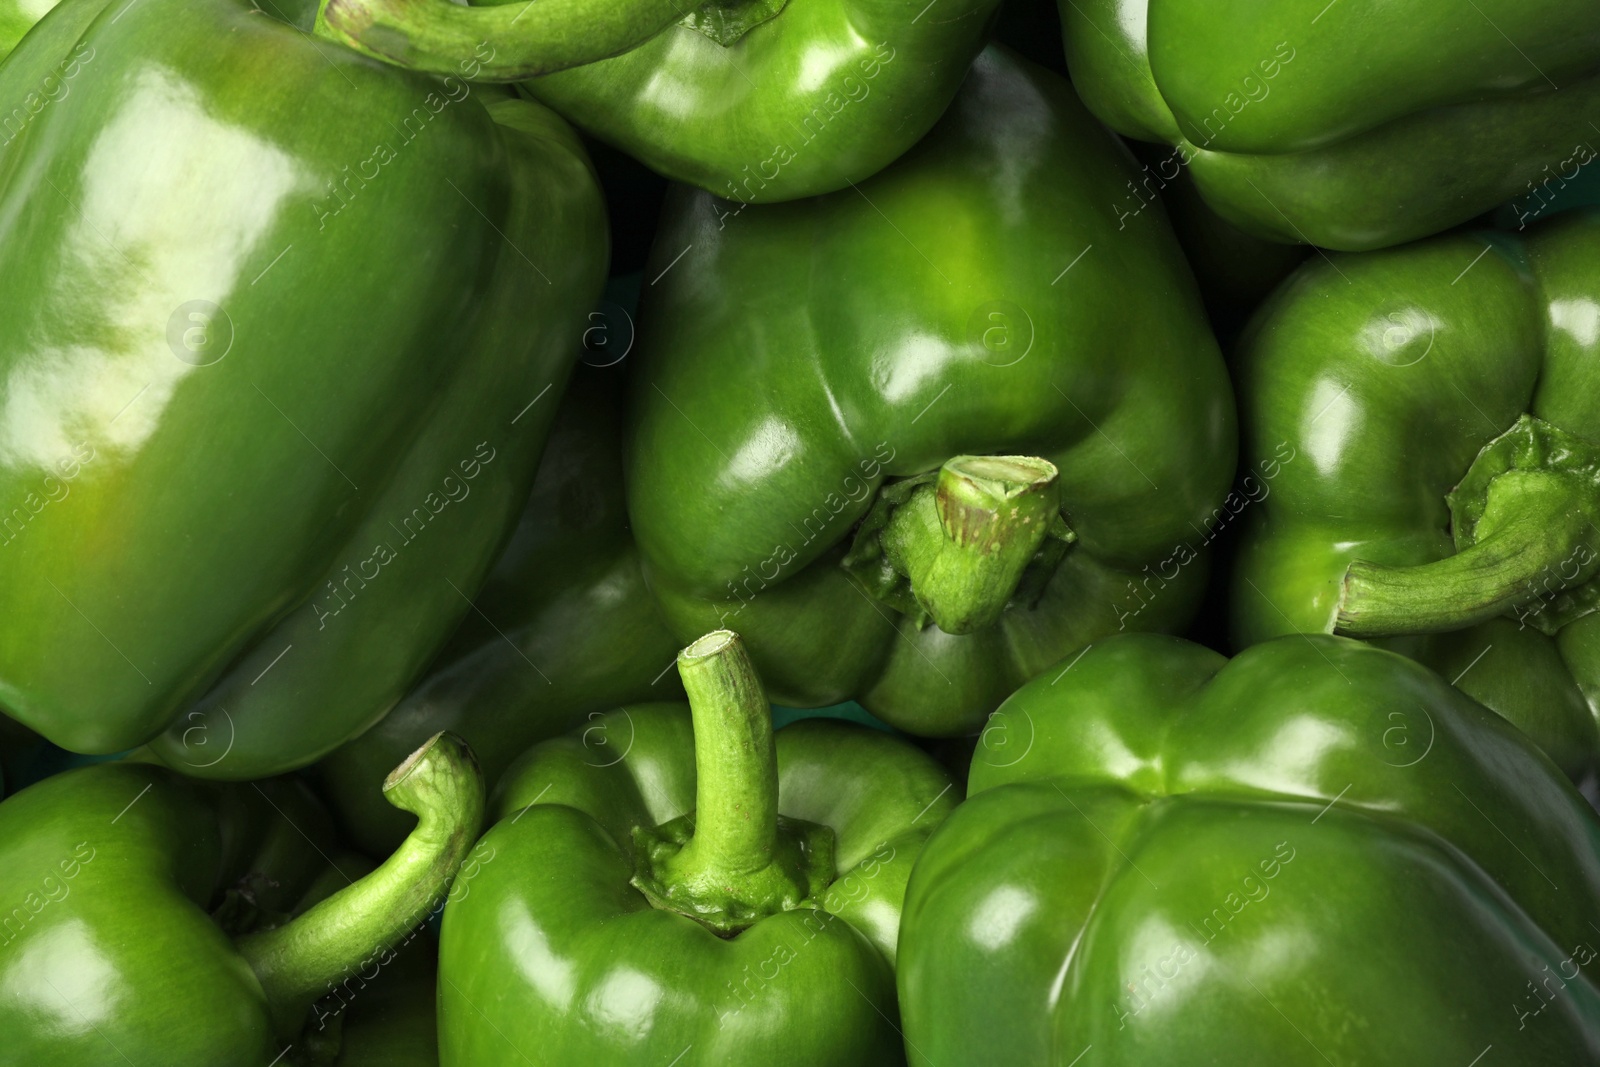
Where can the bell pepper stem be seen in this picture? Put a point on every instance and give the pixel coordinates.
(439, 783)
(497, 42)
(964, 545)
(736, 764)
(734, 859)
(1546, 542)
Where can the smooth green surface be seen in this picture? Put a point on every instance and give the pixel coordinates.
(977, 297)
(824, 94)
(1354, 125)
(549, 952)
(1369, 385)
(138, 895)
(1316, 854)
(238, 531)
(17, 17)
(105, 908)
(498, 43)
(563, 630)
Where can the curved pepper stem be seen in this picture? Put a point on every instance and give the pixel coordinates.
(500, 42)
(736, 764)
(1526, 521)
(958, 546)
(439, 783)
(735, 859)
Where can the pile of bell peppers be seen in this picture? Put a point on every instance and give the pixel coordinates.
(801, 532)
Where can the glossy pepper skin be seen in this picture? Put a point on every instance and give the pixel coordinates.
(574, 943)
(16, 19)
(758, 101)
(563, 629)
(237, 533)
(799, 363)
(1382, 380)
(820, 95)
(152, 916)
(1317, 853)
(1456, 107)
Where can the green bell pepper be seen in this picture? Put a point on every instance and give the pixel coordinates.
(148, 915)
(755, 100)
(16, 19)
(1355, 125)
(1315, 854)
(822, 386)
(563, 629)
(677, 878)
(236, 532)
(1425, 427)
(437, 35)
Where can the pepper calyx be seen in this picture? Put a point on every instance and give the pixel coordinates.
(959, 545)
(1526, 525)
